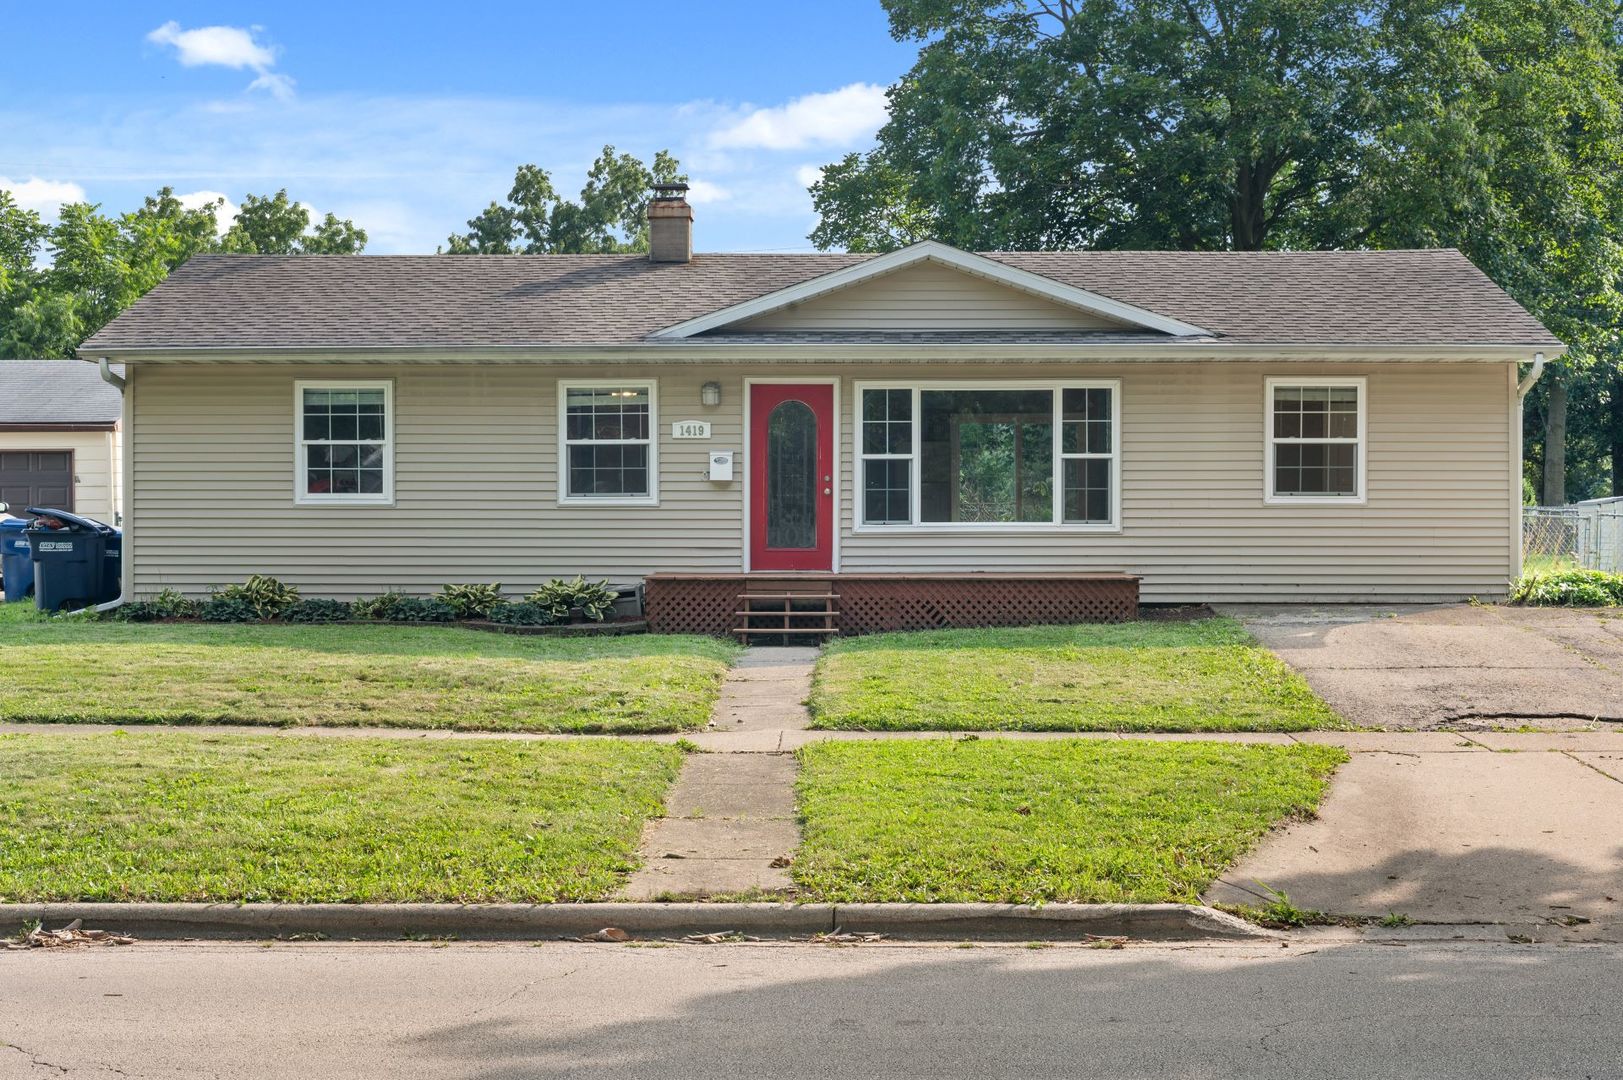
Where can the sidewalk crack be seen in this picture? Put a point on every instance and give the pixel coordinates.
(34, 1060)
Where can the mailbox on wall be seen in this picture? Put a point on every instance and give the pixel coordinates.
(721, 464)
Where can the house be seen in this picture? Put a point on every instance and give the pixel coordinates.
(60, 439)
(1302, 426)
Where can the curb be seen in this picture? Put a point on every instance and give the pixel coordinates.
(922, 922)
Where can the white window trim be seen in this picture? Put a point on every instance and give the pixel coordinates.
(301, 497)
(919, 527)
(1360, 497)
(564, 442)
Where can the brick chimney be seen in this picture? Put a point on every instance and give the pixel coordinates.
(670, 225)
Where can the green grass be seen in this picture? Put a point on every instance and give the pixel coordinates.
(151, 815)
(1082, 820)
(1207, 675)
(389, 676)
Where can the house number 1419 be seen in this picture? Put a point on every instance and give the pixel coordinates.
(690, 429)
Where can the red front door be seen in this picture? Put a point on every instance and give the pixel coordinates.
(791, 470)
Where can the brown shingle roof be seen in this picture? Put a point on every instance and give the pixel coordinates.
(249, 301)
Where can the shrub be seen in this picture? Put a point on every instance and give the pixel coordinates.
(267, 596)
(136, 611)
(473, 601)
(1569, 588)
(316, 610)
(594, 599)
(421, 609)
(523, 613)
(377, 607)
(168, 604)
(223, 608)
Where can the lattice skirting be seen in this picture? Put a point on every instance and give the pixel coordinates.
(868, 604)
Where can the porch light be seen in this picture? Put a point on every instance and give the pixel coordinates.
(710, 393)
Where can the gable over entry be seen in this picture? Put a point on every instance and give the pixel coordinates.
(931, 285)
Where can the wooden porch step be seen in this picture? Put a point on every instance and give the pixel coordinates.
(780, 631)
(779, 613)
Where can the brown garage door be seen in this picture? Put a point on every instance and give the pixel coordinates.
(36, 478)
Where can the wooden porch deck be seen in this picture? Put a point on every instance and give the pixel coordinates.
(826, 604)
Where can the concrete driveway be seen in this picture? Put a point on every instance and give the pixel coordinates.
(1446, 819)
(1456, 667)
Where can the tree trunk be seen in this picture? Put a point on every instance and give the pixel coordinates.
(1617, 435)
(1555, 443)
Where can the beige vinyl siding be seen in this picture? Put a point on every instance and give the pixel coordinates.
(476, 485)
(927, 295)
(97, 482)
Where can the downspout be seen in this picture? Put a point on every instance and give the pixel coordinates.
(118, 382)
(1523, 388)
(108, 377)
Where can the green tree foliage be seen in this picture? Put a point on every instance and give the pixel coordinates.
(60, 283)
(275, 225)
(609, 218)
(1495, 126)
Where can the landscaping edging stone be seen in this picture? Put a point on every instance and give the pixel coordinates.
(951, 922)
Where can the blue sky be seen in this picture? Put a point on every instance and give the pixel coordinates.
(410, 117)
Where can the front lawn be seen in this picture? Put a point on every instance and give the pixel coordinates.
(1205, 675)
(388, 676)
(1079, 820)
(186, 816)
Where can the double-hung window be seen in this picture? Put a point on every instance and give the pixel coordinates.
(345, 442)
(1315, 440)
(608, 452)
(989, 455)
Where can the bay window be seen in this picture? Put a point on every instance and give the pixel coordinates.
(988, 455)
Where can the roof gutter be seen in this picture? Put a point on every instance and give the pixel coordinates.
(711, 351)
(108, 376)
(1525, 387)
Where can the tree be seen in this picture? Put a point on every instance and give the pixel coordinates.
(1134, 124)
(100, 265)
(609, 218)
(274, 225)
(1495, 126)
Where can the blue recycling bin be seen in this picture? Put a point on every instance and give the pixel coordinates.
(77, 564)
(16, 558)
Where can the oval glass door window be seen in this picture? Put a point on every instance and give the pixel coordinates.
(791, 468)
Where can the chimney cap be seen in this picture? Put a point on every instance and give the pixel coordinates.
(674, 191)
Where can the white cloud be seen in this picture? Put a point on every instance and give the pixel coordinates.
(45, 196)
(807, 175)
(838, 118)
(703, 191)
(232, 47)
(225, 211)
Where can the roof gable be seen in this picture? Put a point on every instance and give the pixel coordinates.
(931, 286)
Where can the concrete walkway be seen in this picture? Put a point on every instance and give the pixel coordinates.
(729, 825)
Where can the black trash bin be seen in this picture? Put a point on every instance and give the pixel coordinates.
(76, 565)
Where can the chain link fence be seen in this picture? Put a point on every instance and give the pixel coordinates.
(1585, 535)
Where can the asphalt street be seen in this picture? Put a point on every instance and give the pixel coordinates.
(510, 1011)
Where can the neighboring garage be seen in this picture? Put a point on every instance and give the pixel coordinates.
(59, 438)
